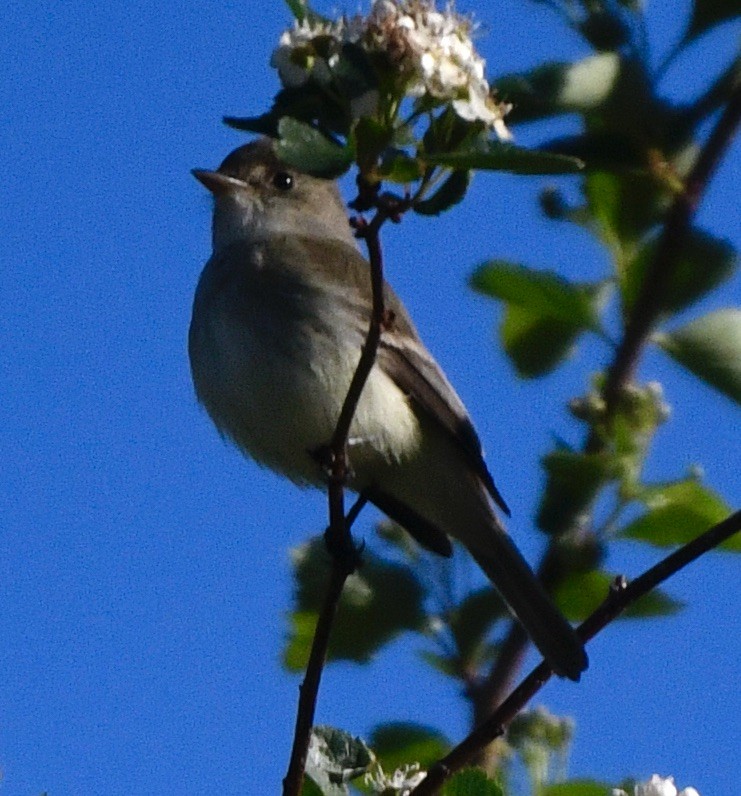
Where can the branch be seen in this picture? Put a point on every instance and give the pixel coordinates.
(345, 556)
(620, 597)
(293, 781)
(309, 689)
(646, 311)
(673, 237)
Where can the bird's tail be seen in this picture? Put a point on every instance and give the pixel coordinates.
(547, 627)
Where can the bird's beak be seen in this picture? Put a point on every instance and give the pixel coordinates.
(216, 182)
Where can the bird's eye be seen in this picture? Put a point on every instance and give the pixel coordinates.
(283, 181)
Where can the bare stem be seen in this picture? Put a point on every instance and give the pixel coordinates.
(345, 556)
(621, 596)
(293, 781)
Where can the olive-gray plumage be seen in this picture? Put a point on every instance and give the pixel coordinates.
(279, 319)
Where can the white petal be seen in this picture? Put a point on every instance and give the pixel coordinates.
(657, 786)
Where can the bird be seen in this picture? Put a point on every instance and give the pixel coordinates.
(279, 319)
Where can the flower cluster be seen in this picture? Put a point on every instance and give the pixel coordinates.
(400, 783)
(310, 49)
(431, 50)
(657, 786)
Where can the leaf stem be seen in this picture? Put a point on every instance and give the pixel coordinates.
(309, 689)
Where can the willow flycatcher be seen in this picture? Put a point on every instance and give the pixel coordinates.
(279, 319)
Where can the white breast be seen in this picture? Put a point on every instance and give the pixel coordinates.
(278, 395)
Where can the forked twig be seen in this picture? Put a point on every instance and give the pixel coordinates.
(620, 597)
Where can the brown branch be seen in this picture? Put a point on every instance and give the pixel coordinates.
(342, 568)
(345, 555)
(677, 227)
(646, 311)
(293, 781)
(620, 597)
(368, 354)
(488, 694)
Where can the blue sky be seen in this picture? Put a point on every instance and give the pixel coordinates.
(144, 567)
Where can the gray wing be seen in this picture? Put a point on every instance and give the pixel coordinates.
(343, 273)
(417, 374)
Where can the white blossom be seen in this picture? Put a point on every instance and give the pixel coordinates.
(402, 782)
(432, 51)
(296, 57)
(657, 786)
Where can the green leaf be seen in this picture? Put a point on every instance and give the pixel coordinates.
(654, 604)
(471, 782)
(440, 663)
(399, 743)
(335, 757)
(353, 73)
(536, 345)
(708, 13)
(581, 593)
(555, 88)
(703, 263)
(450, 193)
(399, 540)
(605, 29)
(400, 168)
(371, 138)
(577, 787)
(310, 788)
(544, 293)
(471, 621)
(266, 124)
(298, 9)
(600, 150)
(545, 313)
(306, 149)
(497, 156)
(710, 347)
(300, 636)
(541, 729)
(625, 206)
(308, 104)
(301, 10)
(446, 132)
(379, 602)
(677, 513)
(573, 480)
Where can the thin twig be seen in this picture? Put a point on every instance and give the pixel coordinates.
(621, 596)
(638, 329)
(369, 233)
(345, 556)
(309, 689)
(658, 573)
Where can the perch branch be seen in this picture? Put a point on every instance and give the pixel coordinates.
(620, 597)
(345, 555)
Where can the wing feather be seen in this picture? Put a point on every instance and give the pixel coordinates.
(344, 274)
